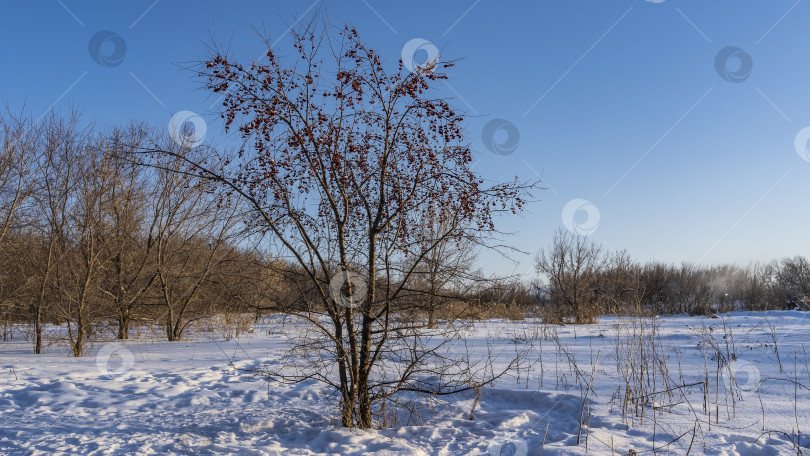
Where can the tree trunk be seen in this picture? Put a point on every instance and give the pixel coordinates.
(41, 300)
(363, 396)
(38, 330)
(170, 326)
(364, 406)
(347, 412)
(78, 345)
(346, 401)
(123, 323)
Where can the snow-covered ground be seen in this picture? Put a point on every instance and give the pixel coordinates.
(147, 396)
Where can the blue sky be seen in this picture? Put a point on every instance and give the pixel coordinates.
(618, 103)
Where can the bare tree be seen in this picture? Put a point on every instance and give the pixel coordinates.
(692, 291)
(757, 288)
(572, 265)
(619, 285)
(793, 279)
(657, 281)
(85, 252)
(440, 270)
(130, 239)
(59, 141)
(341, 161)
(192, 232)
(19, 138)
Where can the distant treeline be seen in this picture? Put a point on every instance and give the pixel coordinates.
(583, 281)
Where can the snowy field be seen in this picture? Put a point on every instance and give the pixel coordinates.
(656, 386)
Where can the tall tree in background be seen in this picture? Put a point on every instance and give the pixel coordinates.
(130, 240)
(192, 231)
(572, 265)
(19, 151)
(341, 161)
(88, 232)
(440, 269)
(61, 140)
